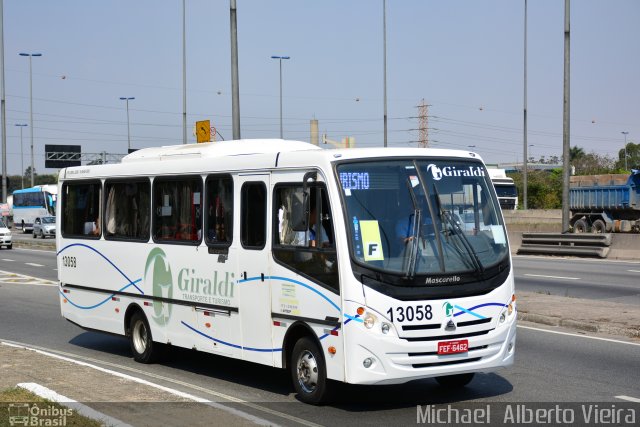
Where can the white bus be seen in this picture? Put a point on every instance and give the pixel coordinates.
(350, 265)
(31, 203)
(505, 189)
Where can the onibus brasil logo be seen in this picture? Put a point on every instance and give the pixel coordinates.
(158, 272)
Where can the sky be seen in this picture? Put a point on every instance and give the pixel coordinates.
(465, 58)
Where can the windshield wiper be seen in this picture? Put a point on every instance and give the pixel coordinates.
(447, 218)
(415, 228)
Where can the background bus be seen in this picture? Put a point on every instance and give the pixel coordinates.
(30, 203)
(505, 188)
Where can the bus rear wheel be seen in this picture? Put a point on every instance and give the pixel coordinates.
(309, 372)
(142, 346)
(455, 381)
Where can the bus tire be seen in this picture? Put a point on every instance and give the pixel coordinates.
(455, 381)
(308, 372)
(142, 346)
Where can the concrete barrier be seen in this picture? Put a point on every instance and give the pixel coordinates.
(624, 246)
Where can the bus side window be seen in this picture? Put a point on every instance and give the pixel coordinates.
(81, 212)
(219, 211)
(127, 210)
(310, 253)
(177, 209)
(253, 226)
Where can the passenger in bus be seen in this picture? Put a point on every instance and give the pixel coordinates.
(313, 233)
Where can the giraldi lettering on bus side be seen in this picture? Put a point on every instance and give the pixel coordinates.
(216, 286)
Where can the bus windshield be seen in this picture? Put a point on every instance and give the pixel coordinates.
(422, 217)
(508, 190)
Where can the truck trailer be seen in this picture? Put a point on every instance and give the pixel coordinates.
(605, 203)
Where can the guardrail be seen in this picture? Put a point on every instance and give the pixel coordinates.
(597, 245)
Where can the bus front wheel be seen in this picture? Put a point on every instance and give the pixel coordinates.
(455, 381)
(309, 372)
(142, 346)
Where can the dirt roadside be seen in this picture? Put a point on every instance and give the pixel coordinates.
(123, 399)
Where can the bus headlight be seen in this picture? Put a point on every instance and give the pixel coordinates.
(503, 317)
(369, 320)
(385, 327)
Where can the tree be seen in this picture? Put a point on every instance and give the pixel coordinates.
(575, 153)
(544, 188)
(633, 158)
(594, 164)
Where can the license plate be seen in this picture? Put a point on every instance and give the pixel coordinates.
(453, 347)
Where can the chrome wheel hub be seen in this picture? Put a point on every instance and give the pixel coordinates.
(307, 367)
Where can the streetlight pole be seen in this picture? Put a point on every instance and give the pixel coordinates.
(122, 98)
(525, 154)
(184, 77)
(625, 133)
(3, 115)
(235, 85)
(31, 55)
(384, 66)
(21, 125)
(280, 58)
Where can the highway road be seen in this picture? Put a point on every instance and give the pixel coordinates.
(549, 367)
(617, 281)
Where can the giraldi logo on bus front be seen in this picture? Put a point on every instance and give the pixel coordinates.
(452, 171)
(214, 288)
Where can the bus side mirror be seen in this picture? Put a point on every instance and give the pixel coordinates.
(299, 210)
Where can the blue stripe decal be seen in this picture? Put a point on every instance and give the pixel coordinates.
(262, 350)
(464, 310)
(352, 318)
(87, 307)
(470, 310)
(293, 281)
(107, 259)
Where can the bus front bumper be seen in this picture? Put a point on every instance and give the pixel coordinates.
(393, 360)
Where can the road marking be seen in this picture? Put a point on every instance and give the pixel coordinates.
(33, 264)
(8, 260)
(7, 277)
(578, 335)
(53, 250)
(70, 357)
(629, 399)
(80, 408)
(634, 271)
(552, 277)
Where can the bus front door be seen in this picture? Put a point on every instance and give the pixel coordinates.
(254, 285)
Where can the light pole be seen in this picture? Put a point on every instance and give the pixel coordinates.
(122, 98)
(524, 135)
(21, 125)
(280, 58)
(384, 67)
(625, 133)
(31, 55)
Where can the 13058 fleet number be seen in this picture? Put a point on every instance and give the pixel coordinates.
(410, 313)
